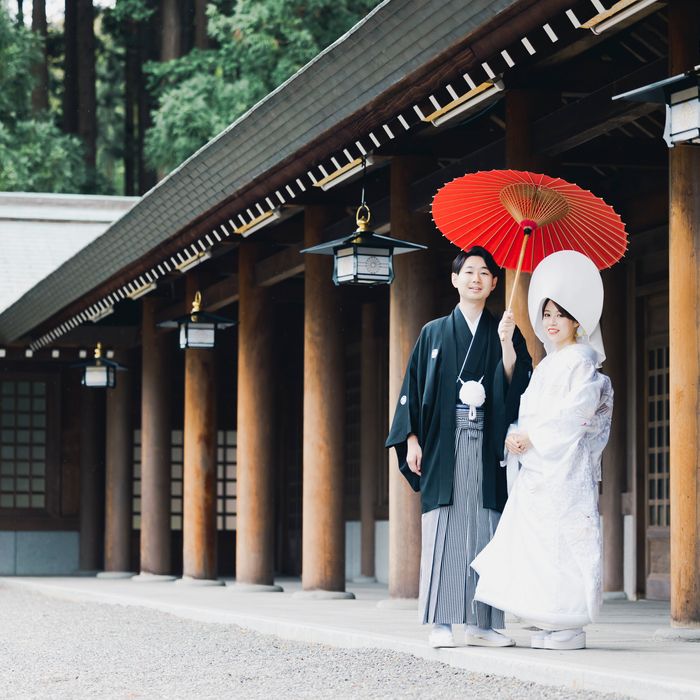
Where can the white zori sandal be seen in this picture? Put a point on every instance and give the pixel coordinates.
(477, 637)
(441, 637)
(565, 639)
(537, 638)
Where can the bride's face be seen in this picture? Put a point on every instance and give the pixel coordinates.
(559, 329)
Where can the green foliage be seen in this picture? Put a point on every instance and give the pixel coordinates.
(34, 155)
(18, 50)
(109, 67)
(133, 10)
(258, 46)
(190, 114)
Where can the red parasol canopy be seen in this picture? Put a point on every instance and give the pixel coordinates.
(521, 217)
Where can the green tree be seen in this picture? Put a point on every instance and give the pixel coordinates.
(35, 155)
(257, 46)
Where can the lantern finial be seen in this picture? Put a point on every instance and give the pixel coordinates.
(196, 305)
(362, 217)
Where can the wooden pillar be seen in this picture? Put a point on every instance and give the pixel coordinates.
(323, 524)
(199, 468)
(92, 479)
(119, 473)
(522, 106)
(370, 437)
(256, 435)
(411, 305)
(684, 330)
(614, 456)
(156, 386)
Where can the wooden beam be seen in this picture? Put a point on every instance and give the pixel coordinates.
(156, 401)
(88, 335)
(199, 462)
(380, 219)
(279, 267)
(487, 158)
(582, 121)
(323, 529)
(214, 297)
(635, 153)
(412, 304)
(555, 133)
(118, 472)
(92, 479)
(255, 489)
(684, 335)
(522, 109)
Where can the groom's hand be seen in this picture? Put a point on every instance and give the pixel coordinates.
(414, 456)
(506, 327)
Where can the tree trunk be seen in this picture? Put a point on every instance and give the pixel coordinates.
(40, 94)
(201, 40)
(70, 68)
(130, 93)
(87, 99)
(170, 38)
(146, 177)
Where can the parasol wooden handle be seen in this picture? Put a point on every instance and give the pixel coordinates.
(526, 233)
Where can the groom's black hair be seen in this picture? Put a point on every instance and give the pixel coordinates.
(476, 251)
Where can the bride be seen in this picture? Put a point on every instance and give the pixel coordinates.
(544, 562)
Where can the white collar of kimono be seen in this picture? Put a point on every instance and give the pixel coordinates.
(472, 324)
(574, 282)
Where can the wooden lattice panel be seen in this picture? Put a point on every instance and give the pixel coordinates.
(657, 437)
(225, 487)
(23, 444)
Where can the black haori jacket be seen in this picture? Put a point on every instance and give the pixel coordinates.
(426, 405)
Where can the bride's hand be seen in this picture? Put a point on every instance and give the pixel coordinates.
(517, 443)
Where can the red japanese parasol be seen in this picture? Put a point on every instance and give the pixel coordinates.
(521, 217)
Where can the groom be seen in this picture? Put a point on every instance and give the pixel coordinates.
(450, 451)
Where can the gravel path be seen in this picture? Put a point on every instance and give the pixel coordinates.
(51, 648)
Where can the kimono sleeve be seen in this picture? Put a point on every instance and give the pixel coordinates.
(406, 419)
(582, 412)
(599, 428)
(509, 393)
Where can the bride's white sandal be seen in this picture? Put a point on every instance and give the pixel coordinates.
(566, 639)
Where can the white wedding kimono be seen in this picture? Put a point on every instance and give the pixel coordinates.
(544, 562)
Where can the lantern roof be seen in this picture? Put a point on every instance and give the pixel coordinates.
(367, 239)
(198, 317)
(660, 91)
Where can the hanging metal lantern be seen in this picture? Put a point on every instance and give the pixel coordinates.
(99, 372)
(681, 96)
(364, 257)
(198, 328)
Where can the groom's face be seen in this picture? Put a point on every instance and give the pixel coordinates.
(474, 281)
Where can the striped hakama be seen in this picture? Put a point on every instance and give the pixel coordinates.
(453, 535)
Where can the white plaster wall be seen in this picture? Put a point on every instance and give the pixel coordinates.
(352, 549)
(630, 557)
(381, 551)
(353, 560)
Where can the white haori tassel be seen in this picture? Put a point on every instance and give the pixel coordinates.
(473, 395)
